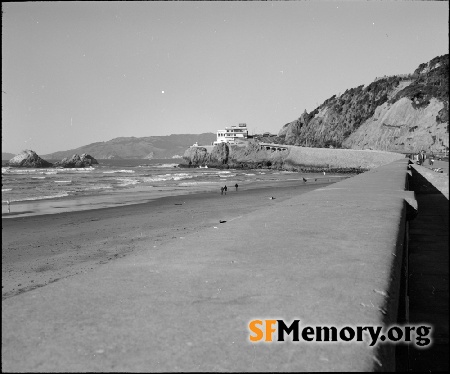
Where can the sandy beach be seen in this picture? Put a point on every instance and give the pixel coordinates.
(38, 250)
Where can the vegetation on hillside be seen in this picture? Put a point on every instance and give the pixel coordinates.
(339, 116)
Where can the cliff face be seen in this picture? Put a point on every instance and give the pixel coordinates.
(28, 159)
(224, 155)
(77, 161)
(196, 156)
(399, 113)
(400, 127)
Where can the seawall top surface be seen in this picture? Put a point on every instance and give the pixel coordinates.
(328, 257)
(438, 180)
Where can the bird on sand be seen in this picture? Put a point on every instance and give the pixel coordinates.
(305, 180)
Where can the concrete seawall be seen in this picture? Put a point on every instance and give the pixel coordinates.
(295, 157)
(428, 270)
(425, 180)
(330, 257)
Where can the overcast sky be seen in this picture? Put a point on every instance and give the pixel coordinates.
(74, 73)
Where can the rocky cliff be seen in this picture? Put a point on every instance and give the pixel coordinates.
(77, 161)
(224, 155)
(294, 158)
(404, 113)
(28, 159)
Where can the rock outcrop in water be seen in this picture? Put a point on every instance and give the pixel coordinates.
(219, 154)
(77, 161)
(28, 159)
(196, 156)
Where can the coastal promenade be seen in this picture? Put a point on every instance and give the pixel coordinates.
(329, 257)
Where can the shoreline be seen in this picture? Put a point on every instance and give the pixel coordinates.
(136, 195)
(38, 250)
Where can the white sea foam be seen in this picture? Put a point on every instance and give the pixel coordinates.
(6, 189)
(127, 181)
(165, 166)
(177, 177)
(63, 181)
(249, 174)
(97, 187)
(38, 198)
(75, 170)
(168, 177)
(118, 171)
(227, 176)
(28, 171)
(154, 179)
(186, 184)
(180, 174)
(38, 177)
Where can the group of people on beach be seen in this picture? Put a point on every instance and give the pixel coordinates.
(225, 189)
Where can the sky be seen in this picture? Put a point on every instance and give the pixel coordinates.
(75, 73)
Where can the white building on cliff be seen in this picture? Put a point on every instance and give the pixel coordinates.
(233, 134)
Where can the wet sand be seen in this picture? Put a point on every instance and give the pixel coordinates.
(38, 250)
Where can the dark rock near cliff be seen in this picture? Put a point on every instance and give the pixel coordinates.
(220, 153)
(28, 159)
(77, 161)
(196, 156)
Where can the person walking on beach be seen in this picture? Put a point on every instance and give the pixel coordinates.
(221, 190)
(225, 189)
(236, 185)
(9, 208)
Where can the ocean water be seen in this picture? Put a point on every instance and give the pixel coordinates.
(115, 182)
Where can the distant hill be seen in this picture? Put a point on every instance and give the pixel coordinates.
(7, 156)
(402, 113)
(135, 148)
